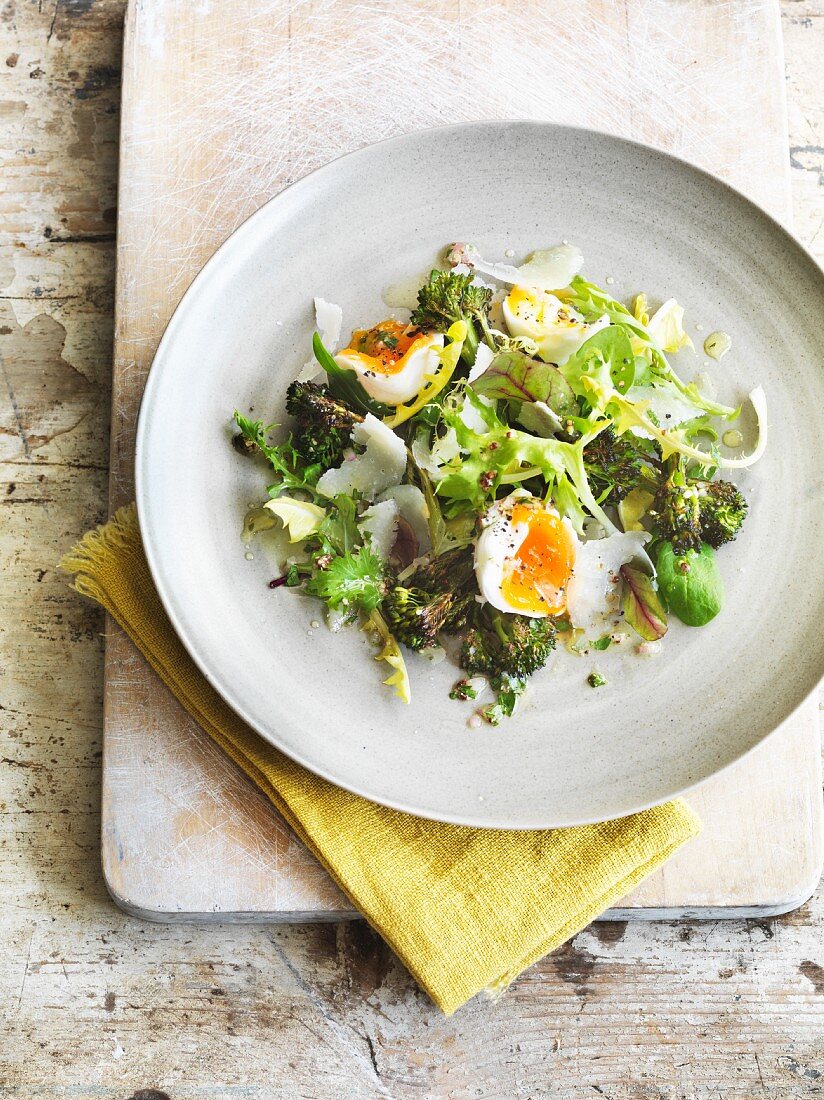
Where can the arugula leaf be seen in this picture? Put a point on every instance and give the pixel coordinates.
(344, 383)
(641, 604)
(512, 375)
(354, 581)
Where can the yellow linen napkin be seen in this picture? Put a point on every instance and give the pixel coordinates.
(465, 909)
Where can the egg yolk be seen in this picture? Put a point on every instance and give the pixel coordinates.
(524, 305)
(384, 348)
(541, 568)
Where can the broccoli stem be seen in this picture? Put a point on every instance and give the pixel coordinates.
(499, 630)
(487, 331)
(470, 345)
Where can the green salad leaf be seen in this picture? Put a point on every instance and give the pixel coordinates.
(652, 365)
(504, 456)
(354, 581)
(512, 375)
(604, 361)
(451, 534)
(292, 472)
(593, 302)
(642, 605)
(339, 533)
(691, 584)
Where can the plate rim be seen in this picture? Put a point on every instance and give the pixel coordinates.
(141, 459)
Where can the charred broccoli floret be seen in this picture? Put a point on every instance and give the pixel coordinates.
(675, 511)
(613, 465)
(507, 650)
(446, 298)
(452, 571)
(437, 598)
(722, 509)
(417, 617)
(688, 511)
(513, 646)
(323, 424)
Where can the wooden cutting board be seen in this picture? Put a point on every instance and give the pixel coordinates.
(226, 104)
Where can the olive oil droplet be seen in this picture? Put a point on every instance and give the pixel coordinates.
(717, 344)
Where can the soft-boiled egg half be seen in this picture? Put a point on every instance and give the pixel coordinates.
(525, 556)
(556, 327)
(529, 561)
(392, 360)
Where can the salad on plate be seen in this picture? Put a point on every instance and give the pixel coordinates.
(514, 465)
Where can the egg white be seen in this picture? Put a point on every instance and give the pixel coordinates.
(402, 385)
(557, 329)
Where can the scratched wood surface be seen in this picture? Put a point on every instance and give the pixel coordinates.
(182, 832)
(97, 1005)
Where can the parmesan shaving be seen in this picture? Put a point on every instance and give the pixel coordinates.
(549, 269)
(380, 523)
(411, 505)
(381, 465)
(328, 321)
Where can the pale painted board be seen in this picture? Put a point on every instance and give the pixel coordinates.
(223, 105)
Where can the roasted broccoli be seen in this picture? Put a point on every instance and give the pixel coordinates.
(446, 298)
(323, 423)
(417, 616)
(675, 511)
(437, 598)
(507, 650)
(688, 511)
(452, 571)
(721, 509)
(613, 465)
(499, 645)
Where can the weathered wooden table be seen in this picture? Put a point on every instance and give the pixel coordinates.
(98, 1005)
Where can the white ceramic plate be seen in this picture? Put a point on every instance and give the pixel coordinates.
(377, 217)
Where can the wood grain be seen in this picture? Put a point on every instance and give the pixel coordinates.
(182, 833)
(97, 1006)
